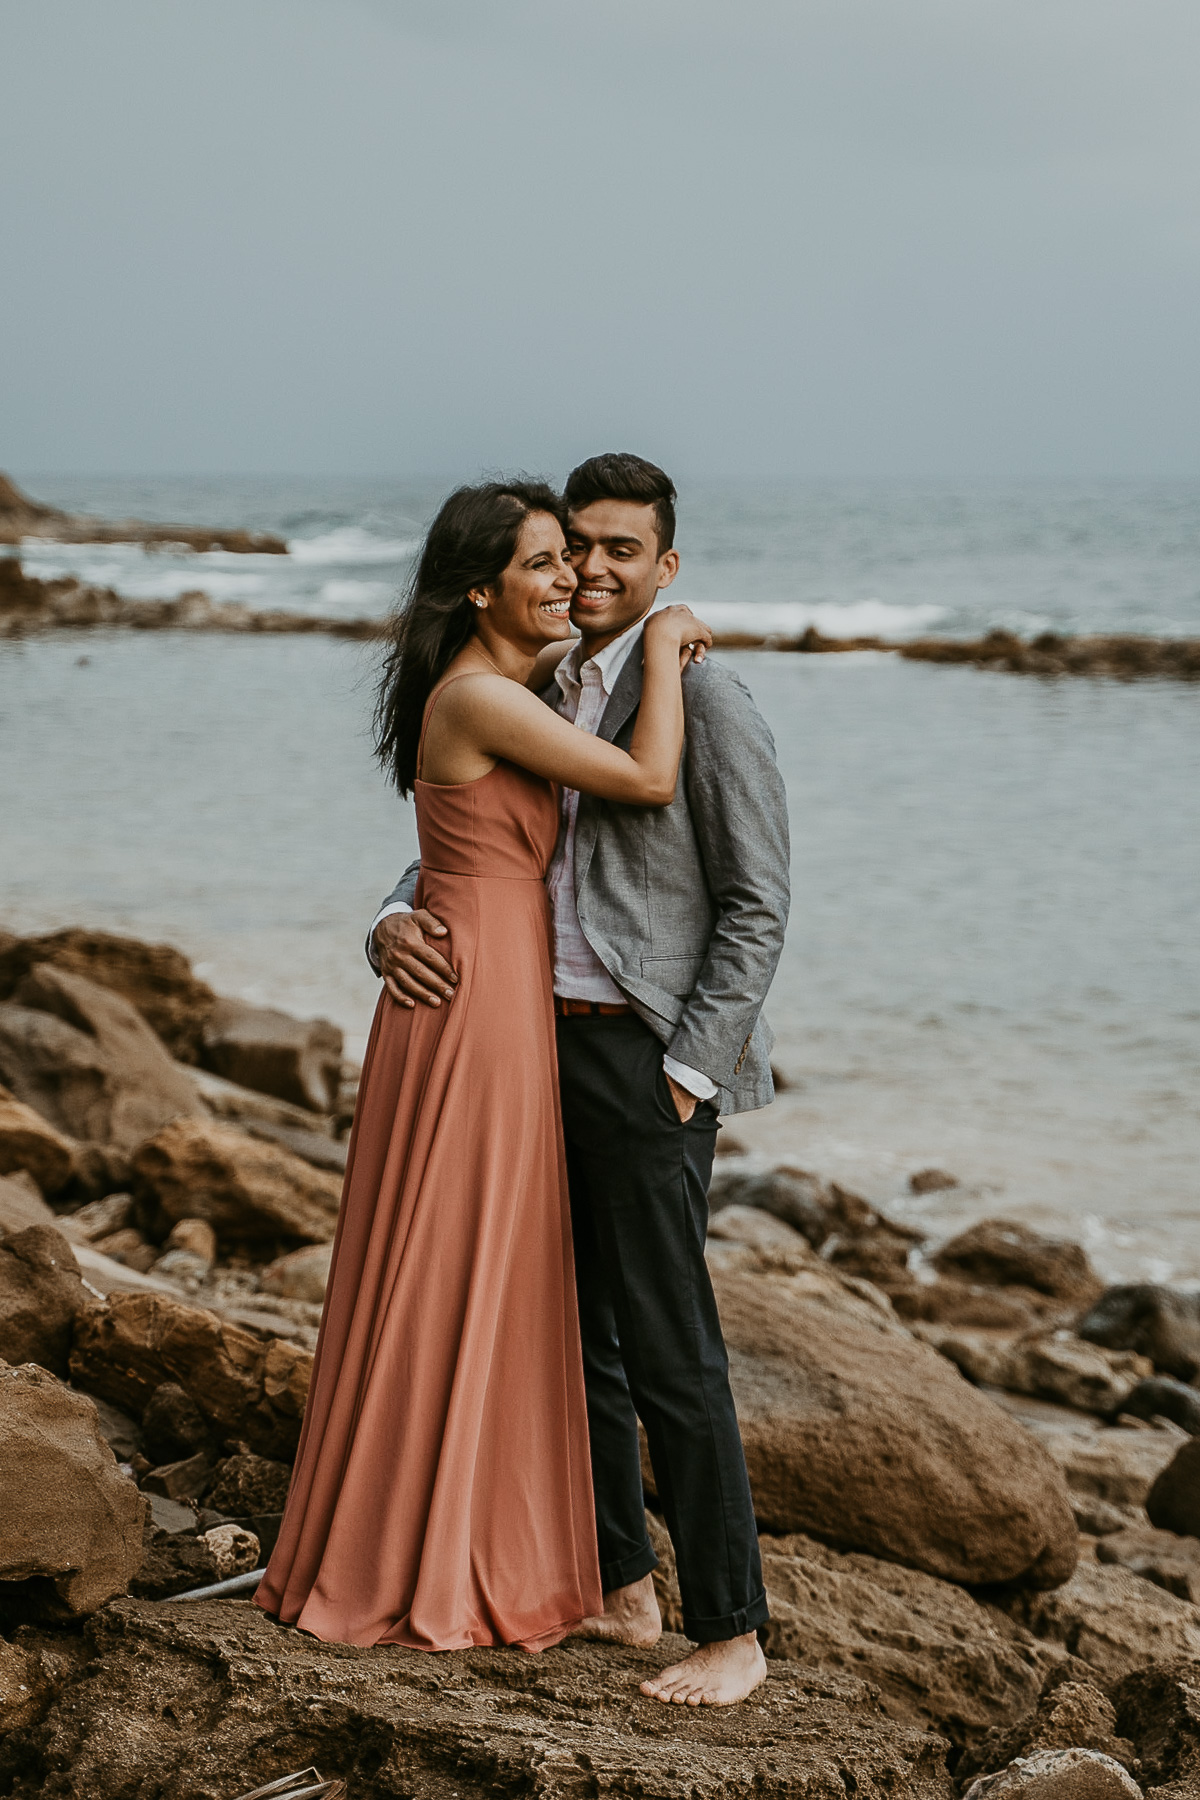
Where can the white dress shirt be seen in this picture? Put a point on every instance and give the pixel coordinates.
(586, 688)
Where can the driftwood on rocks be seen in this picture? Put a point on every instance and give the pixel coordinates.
(23, 517)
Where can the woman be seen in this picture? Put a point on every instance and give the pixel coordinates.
(442, 1492)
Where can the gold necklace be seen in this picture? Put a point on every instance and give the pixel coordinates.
(478, 646)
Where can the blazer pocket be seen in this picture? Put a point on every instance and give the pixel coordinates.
(674, 974)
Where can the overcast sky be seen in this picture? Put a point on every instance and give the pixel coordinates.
(816, 237)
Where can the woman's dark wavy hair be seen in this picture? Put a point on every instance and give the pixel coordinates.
(469, 545)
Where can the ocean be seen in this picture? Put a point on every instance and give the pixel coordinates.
(993, 963)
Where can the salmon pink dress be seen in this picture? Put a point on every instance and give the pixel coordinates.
(442, 1493)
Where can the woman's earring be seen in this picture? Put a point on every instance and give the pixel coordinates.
(479, 603)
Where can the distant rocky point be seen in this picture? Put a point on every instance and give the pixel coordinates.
(22, 517)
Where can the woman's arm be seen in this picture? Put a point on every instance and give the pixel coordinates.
(548, 660)
(496, 718)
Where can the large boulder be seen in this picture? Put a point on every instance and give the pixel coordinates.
(1169, 1561)
(299, 1060)
(1053, 1366)
(1058, 1775)
(1117, 1466)
(157, 979)
(41, 1294)
(937, 1656)
(87, 1061)
(1159, 1708)
(201, 1697)
(30, 1142)
(859, 1435)
(21, 1204)
(247, 1389)
(1173, 1503)
(72, 1523)
(1006, 1253)
(1159, 1322)
(1112, 1619)
(248, 1191)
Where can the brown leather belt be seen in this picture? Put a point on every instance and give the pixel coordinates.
(590, 1009)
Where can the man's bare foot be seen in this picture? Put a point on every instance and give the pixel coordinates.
(714, 1675)
(630, 1616)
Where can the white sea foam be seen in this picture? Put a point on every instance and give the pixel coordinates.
(787, 618)
(357, 593)
(351, 544)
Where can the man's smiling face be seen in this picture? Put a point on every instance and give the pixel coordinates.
(613, 548)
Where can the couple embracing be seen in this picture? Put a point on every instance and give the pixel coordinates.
(574, 972)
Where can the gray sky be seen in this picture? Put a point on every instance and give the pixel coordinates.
(823, 237)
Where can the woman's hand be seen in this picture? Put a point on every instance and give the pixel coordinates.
(679, 627)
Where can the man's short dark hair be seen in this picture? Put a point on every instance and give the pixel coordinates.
(619, 475)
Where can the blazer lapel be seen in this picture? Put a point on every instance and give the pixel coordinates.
(622, 703)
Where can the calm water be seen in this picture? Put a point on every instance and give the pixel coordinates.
(993, 963)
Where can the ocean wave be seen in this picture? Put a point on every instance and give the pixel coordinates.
(787, 618)
(351, 544)
(357, 593)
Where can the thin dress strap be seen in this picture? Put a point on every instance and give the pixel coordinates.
(432, 701)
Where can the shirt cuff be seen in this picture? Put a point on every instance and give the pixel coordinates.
(691, 1079)
(385, 912)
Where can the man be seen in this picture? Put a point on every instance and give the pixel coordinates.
(669, 924)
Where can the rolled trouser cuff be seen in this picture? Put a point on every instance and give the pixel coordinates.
(625, 1570)
(734, 1624)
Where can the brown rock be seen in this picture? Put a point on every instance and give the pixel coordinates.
(21, 1204)
(72, 1532)
(937, 1656)
(1173, 1503)
(243, 1387)
(1159, 1708)
(1159, 1322)
(1058, 1775)
(98, 1219)
(1112, 1620)
(195, 1236)
(249, 1192)
(173, 1427)
(1069, 1715)
(29, 1142)
(245, 1484)
(174, 1563)
(1052, 1367)
(761, 1230)
(84, 1059)
(931, 1181)
(799, 1198)
(300, 1275)
(299, 1060)
(185, 1480)
(212, 1697)
(965, 1303)
(24, 1689)
(1118, 1465)
(860, 1436)
(1168, 1561)
(40, 1295)
(234, 1550)
(1006, 1253)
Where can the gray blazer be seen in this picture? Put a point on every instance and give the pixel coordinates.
(686, 904)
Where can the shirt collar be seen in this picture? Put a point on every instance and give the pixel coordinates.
(608, 662)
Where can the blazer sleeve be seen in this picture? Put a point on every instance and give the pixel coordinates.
(738, 808)
(405, 890)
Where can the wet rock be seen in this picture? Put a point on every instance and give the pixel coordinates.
(1056, 1367)
(40, 1295)
(23, 517)
(1161, 1397)
(936, 1655)
(1005, 1253)
(185, 1481)
(244, 1387)
(1069, 1715)
(21, 1204)
(87, 1061)
(857, 1434)
(1159, 1708)
(931, 1181)
(173, 1427)
(793, 1195)
(1058, 1775)
(214, 1697)
(1159, 1322)
(1173, 1503)
(301, 1274)
(966, 1304)
(246, 1484)
(761, 1230)
(30, 1142)
(24, 1689)
(72, 1532)
(1168, 1561)
(249, 1192)
(1111, 1619)
(298, 1060)
(1118, 1466)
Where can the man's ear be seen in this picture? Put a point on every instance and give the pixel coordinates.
(668, 568)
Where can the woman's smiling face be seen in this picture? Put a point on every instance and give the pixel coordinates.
(530, 603)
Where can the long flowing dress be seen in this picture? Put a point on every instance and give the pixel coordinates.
(442, 1492)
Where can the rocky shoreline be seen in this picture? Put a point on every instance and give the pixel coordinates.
(22, 517)
(975, 1466)
(31, 607)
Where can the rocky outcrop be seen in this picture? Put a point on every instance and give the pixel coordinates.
(248, 1191)
(298, 1060)
(245, 1484)
(41, 1294)
(156, 979)
(72, 1535)
(1071, 1714)
(1159, 1322)
(22, 517)
(1050, 1367)
(1111, 1619)
(868, 1440)
(1006, 1253)
(1169, 1561)
(1159, 1708)
(245, 1388)
(1058, 1775)
(1117, 1466)
(301, 1275)
(30, 1142)
(83, 1058)
(211, 1697)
